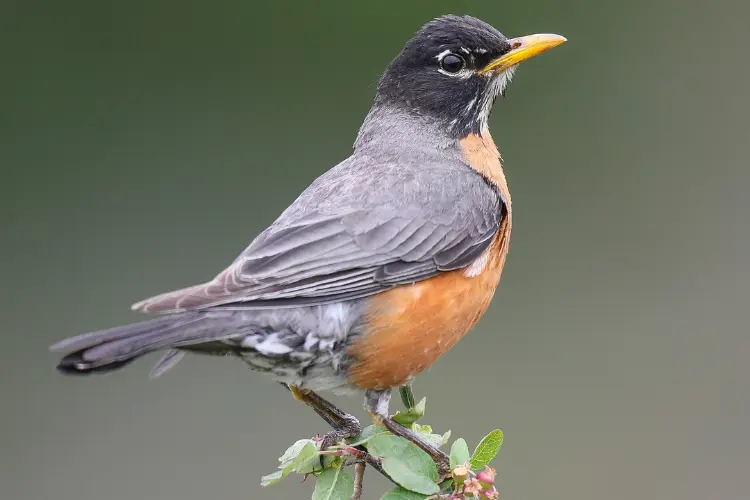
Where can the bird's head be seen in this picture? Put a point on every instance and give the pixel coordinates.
(454, 68)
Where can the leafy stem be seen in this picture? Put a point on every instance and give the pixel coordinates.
(411, 469)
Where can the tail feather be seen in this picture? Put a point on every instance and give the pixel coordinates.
(113, 348)
(166, 363)
(119, 332)
(165, 336)
(73, 365)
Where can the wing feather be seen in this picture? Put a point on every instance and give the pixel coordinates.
(370, 237)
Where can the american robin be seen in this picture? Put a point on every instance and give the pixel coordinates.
(382, 264)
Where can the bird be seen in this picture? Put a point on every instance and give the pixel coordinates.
(381, 265)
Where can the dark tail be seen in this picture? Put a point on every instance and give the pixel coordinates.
(110, 349)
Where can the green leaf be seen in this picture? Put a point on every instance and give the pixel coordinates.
(425, 432)
(421, 406)
(407, 396)
(459, 453)
(447, 486)
(297, 454)
(412, 414)
(270, 479)
(402, 494)
(315, 463)
(291, 454)
(487, 449)
(445, 438)
(333, 484)
(308, 451)
(408, 465)
(366, 434)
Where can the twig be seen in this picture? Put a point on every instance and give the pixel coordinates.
(359, 476)
(361, 455)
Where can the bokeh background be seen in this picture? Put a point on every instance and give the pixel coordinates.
(143, 144)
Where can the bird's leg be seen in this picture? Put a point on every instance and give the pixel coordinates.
(344, 426)
(376, 404)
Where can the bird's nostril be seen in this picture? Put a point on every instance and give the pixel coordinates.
(515, 45)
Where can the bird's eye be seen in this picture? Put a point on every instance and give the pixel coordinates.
(452, 63)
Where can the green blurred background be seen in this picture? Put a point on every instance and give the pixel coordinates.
(143, 144)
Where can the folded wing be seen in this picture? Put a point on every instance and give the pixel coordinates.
(342, 240)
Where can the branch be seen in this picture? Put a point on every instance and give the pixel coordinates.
(359, 476)
(405, 452)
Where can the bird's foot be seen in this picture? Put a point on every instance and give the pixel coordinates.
(346, 428)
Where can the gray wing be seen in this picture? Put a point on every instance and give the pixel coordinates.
(357, 230)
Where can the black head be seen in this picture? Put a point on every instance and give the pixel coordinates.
(454, 68)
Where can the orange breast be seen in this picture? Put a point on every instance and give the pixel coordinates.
(409, 327)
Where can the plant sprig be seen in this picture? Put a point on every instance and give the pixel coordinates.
(407, 465)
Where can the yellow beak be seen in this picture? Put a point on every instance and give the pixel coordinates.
(523, 48)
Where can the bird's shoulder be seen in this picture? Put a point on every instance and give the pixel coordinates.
(360, 228)
(439, 191)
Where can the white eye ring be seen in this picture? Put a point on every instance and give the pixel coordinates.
(462, 73)
(452, 63)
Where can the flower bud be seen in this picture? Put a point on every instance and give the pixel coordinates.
(487, 476)
(460, 474)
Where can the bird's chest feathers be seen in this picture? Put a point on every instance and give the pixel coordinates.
(409, 327)
(482, 155)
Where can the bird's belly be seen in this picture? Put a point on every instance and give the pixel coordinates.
(409, 327)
